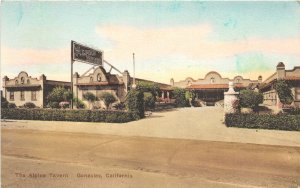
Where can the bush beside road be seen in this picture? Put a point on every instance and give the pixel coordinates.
(68, 115)
(264, 121)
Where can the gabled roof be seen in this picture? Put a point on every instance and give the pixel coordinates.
(292, 78)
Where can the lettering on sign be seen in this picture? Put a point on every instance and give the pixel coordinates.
(86, 54)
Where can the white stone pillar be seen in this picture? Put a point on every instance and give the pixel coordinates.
(230, 98)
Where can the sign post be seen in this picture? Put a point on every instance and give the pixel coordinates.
(84, 54)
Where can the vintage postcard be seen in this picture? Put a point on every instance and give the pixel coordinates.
(150, 94)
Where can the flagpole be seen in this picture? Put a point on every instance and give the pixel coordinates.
(133, 85)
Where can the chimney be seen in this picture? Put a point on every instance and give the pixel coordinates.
(43, 77)
(280, 69)
(259, 79)
(172, 82)
(126, 79)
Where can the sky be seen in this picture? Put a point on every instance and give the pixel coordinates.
(170, 39)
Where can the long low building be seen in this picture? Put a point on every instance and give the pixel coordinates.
(210, 89)
(25, 88)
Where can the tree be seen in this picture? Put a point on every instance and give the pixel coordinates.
(180, 98)
(90, 97)
(67, 95)
(190, 97)
(108, 99)
(150, 91)
(148, 87)
(250, 99)
(284, 92)
(57, 95)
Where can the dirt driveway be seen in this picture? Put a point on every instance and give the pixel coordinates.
(184, 123)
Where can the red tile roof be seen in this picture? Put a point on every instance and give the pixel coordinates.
(292, 78)
(166, 88)
(97, 84)
(22, 86)
(213, 86)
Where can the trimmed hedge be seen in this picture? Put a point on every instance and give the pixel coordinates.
(264, 121)
(135, 103)
(294, 111)
(67, 115)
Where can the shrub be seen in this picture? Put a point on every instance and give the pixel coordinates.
(4, 102)
(67, 115)
(250, 99)
(135, 103)
(11, 105)
(90, 97)
(294, 111)
(264, 121)
(53, 104)
(108, 99)
(180, 98)
(284, 92)
(149, 101)
(29, 105)
(119, 106)
(78, 103)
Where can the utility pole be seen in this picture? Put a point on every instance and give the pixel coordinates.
(72, 62)
(133, 85)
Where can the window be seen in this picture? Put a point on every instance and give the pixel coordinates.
(33, 95)
(212, 80)
(16, 82)
(238, 81)
(99, 77)
(22, 80)
(91, 79)
(11, 96)
(28, 81)
(22, 95)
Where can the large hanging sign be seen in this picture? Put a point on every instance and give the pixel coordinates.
(86, 54)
